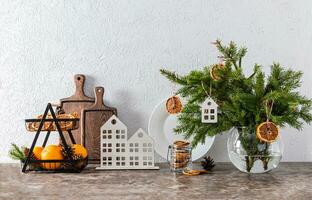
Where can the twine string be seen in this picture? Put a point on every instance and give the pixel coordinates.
(267, 111)
(268, 115)
(174, 90)
(208, 94)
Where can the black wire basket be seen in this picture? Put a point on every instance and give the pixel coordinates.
(46, 124)
(65, 165)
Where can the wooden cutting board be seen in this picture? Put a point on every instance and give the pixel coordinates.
(92, 119)
(76, 103)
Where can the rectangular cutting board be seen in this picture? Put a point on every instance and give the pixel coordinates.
(76, 103)
(92, 119)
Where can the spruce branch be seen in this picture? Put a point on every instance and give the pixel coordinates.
(242, 52)
(241, 98)
(231, 54)
(16, 153)
(173, 77)
(256, 69)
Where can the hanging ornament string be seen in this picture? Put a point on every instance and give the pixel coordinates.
(174, 90)
(173, 95)
(268, 109)
(208, 94)
(268, 131)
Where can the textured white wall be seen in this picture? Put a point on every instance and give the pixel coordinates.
(122, 44)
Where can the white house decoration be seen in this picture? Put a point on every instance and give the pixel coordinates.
(209, 111)
(117, 152)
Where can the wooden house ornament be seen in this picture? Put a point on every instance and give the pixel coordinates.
(117, 152)
(209, 109)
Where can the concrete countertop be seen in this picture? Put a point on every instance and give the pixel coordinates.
(289, 181)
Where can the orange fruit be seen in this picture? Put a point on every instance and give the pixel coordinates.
(37, 152)
(79, 150)
(52, 152)
(214, 70)
(267, 132)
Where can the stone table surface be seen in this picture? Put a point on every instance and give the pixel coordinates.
(289, 181)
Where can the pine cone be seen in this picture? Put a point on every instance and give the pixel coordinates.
(208, 163)
(67, 154)
(26, 152)
(79, 161)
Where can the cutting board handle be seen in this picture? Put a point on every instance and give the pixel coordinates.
(99, 93)
(79, 82)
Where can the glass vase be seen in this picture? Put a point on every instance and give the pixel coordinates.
(250, 155)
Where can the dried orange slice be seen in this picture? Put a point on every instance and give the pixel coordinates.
(214, 71)
(46, 125)
(181, 143)
(51, 125)
(66, 124)
(174, 105)
(267, 132)
(193, 172)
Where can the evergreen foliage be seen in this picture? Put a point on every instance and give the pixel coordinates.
(242, 99)
(17, 153)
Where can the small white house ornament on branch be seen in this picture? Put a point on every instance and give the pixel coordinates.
(209, 111)
(117, 152)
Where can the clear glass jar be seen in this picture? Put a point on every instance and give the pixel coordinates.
(180, 157)
(250, 155)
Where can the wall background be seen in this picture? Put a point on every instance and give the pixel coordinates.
(122, 44)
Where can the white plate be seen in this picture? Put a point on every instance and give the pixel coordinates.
(160, 128)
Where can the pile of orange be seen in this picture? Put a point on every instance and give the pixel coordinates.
(54, 152)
